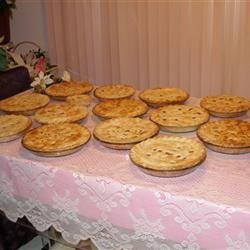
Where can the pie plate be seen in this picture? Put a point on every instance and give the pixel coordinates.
(166, 173)
(226, 150)
(15, 136)
(13, 127)
(225, 106)
(53, 140)
(227, 115)
(124, 132)
(116, 145)
(55, 153)
(226, 136)
(168, 156)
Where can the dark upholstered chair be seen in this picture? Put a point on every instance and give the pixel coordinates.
(14, 81)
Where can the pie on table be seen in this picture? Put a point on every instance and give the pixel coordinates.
(122, 133)
(120, 108)
(58, 113)
(179, 118)
(114, 91)
(56, 139)
(158, 97)
(25, 104)
(225, 105)
(13, 126)
(226, 136)
(168, 156)
(62, 90)
(83, 100)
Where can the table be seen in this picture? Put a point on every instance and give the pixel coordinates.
(98, 193)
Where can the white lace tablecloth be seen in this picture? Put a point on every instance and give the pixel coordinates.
(98, 193)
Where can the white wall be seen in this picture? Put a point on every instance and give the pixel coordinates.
(29, 23)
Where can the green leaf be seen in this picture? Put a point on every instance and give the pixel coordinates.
(3, 60)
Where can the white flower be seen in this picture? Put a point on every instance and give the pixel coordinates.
(42, 80)
(66, 76)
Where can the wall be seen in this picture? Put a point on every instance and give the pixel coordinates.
(29, 22)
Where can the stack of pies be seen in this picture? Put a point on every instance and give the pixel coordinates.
(120, 108)
(13, 127)
(226, 136)
(62, 90)
(123, 133)
(59, 113)
(56, 139)
(167, 156)
(82, 100)
(159, 97)
(25, 104)
(114, 91)
(225, 105)
(179, 118)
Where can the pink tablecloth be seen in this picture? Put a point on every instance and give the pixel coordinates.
(98, 193)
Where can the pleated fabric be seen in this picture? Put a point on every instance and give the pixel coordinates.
(201, 46)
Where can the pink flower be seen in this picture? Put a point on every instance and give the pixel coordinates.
(40, 65)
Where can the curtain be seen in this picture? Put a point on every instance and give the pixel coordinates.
(200, 46)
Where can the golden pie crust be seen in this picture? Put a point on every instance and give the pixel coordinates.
(179, 118)
(225, 105)
(62, 90)
(120, 108)
(59, 113)
(82, 100)
(56, 139)
(226, 136)
(168, 156)
(25, 104)
(159, 97)
(114, 91)
(13, 126)
(123, 133)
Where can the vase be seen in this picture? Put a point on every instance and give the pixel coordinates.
(39, 89)
(5, 26)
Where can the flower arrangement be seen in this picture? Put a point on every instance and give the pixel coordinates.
(35, 60)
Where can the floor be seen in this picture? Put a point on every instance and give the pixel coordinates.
(40, 242)
(23, 236)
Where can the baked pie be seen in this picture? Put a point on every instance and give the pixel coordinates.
(225, 105)
(82, 100)
(114, 91)
(13, 126)
(123, 133)
(158, 97)
(59, 113)
(226, 136)
(168, 156)
(25, 104)
(61, 90)
(179, 118)
(56, 139)
(120, 108)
